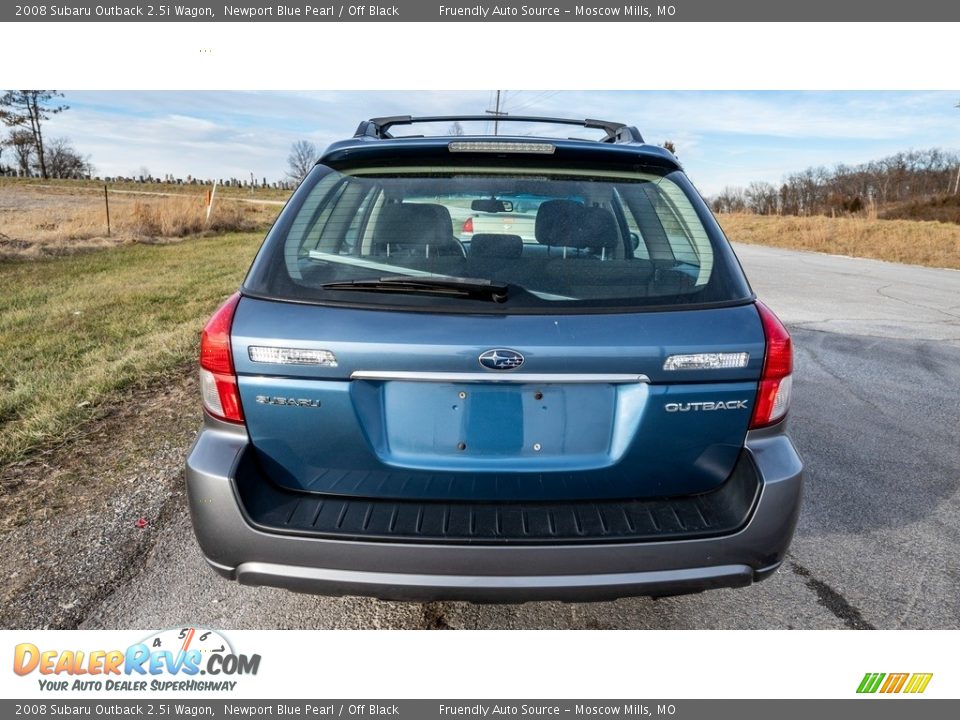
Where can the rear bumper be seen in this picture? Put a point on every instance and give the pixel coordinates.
(238, 550)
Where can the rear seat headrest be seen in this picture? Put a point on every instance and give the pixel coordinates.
(555, 222)
(496, 245)
(599, 228)
(414, 224)
(564, 223)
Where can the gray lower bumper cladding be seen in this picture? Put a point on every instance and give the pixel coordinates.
(489, 569)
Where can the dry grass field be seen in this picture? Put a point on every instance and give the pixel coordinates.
(930, 243)
(38, 219)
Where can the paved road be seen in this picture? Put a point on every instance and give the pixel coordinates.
(876, 417)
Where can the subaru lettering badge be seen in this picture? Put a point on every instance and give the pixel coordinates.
(501, 359)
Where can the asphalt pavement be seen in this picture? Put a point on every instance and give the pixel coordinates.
(875, 416)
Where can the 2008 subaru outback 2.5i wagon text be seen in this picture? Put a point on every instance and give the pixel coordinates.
(394, 409)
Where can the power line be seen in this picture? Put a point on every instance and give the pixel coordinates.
(538, 98)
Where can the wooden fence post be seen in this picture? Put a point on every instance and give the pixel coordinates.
(106, 202)
(210, 198)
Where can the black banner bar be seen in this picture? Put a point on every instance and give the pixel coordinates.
(872, 708)
(466, 11)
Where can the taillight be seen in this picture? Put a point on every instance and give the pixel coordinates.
(467, 225)
(773, 393)
(218, 380)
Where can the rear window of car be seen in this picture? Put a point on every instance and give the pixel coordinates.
(556, 240)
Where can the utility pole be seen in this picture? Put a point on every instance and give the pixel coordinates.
(496, 114)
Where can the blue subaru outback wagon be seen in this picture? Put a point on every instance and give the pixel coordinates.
(585, 400)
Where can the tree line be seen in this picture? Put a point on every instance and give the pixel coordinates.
(844, 189)
(30, 154)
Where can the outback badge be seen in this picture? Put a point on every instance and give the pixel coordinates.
(501, 359)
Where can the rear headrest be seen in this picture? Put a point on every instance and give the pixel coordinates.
(496, 245)
(564, 223)
(414, 224)
(555, 222)
(598, 228)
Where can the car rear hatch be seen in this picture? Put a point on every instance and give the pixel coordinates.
(414, 405)
(615, 354)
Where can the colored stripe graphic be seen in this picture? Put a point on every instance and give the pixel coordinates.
(918, 682)
(870, 682)
(894, 683)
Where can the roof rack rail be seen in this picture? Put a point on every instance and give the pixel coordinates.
(379, 128)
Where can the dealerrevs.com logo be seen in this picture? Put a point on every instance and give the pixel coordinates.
(179, 659)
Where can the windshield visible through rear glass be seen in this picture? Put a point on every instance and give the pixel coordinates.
(431, 238)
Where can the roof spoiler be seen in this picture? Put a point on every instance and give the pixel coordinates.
(615, 132)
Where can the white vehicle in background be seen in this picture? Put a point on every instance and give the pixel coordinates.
(509, 215)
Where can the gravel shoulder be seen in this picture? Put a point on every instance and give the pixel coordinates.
(69, 515)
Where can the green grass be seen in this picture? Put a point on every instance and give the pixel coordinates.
(75, 332)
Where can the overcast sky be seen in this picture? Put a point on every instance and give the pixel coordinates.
(722, 138)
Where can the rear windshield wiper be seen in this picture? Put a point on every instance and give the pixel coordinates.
(444, 286)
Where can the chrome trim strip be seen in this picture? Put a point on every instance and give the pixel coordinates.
(493, 377)
(434, 585)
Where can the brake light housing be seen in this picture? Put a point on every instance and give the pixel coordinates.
(776, 380)
(218, 378)
(467, 225)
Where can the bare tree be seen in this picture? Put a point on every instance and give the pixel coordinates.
(762, 198)
(904, 177)
(455, 129)
(63, 161)
(668, 145)
(30, 109)
(303, 156)
(730, 200)
(21, 143)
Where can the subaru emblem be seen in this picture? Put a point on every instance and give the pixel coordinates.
(501, 359)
